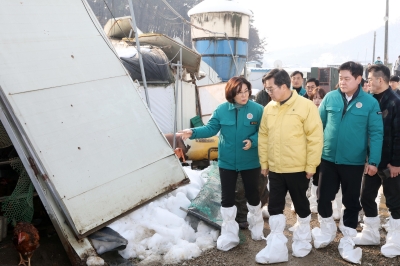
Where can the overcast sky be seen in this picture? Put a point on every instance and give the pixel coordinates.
(290, 23)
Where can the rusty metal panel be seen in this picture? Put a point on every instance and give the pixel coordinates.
(93, 141)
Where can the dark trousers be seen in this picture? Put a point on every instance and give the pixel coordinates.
(240, 198)
(315, 178)
(333, 175)
(297, 185)
(391, 190)
(228, 186)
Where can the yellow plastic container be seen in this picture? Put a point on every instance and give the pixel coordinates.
(200, 149)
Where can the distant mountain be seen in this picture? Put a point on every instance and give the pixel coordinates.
(358, 49)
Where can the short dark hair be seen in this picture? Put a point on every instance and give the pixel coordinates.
(316, 81)
(264, 78)
(280, 75)
(362, 82)
(354, 68)
(233, 86)
(380, 71)
(295, 73)
(395, 78)
(320, 91)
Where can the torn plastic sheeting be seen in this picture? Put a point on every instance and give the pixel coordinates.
(106, 239)
(206, 206)
(156, 66)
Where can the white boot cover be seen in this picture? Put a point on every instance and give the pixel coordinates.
(346, 246)
(265, 213)
(392, 247)
(256, 221)
(325, 234)
(313, 199)
(337, 205)
(229, 237)
(370, 233)
(276, 249)
(301, 245)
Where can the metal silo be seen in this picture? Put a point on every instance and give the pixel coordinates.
(226, 53)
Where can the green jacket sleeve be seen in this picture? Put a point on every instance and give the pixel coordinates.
(322, 113)
(209, 130)
(375, 133)
(254, 140)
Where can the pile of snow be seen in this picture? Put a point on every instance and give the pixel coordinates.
(160, 231)
(219, 6)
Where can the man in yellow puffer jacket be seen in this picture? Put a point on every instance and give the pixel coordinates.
(290, 140)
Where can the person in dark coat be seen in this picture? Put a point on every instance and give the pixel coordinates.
(388, 174)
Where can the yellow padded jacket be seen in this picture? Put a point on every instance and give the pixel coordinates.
(290, 136)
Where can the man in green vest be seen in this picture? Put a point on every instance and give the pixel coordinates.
(296, 79)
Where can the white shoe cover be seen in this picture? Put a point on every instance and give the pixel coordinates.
(346, 246)
(265, 212)
(301, 245)
(313, 199)
(370, 233)
(276, 249)
(337, 205)
(392, 247)
(256, 221)
(324, 235)
(229, 237)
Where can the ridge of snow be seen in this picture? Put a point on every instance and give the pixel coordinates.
(219, 6)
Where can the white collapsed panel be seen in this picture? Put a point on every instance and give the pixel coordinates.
(189, 105)
(80, 111)
(162, 102)
(210, 97)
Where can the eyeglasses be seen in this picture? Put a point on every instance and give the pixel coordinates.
(270, 90)
(243, 92)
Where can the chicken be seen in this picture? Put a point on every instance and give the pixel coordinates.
(26, 241)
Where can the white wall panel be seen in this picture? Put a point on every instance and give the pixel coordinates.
(80, 111)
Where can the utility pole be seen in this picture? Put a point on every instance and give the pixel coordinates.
(373, 48)
(386, 61)
(134, 27)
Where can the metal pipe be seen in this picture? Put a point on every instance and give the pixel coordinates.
(176, 104)
(181, 78)
(133, 24)
(386, 33)
(373, 49)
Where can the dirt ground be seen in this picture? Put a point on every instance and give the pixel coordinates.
(51, 251)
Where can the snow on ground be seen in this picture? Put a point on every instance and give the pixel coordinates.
(160, 231)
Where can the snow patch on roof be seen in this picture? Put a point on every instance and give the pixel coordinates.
(219, 6)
